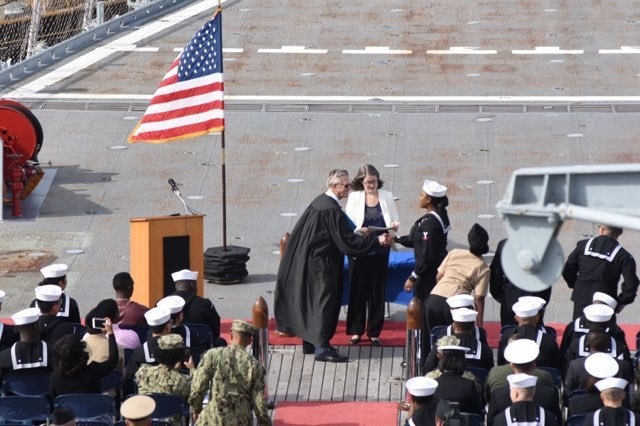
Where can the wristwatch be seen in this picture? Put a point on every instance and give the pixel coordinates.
(413, 277)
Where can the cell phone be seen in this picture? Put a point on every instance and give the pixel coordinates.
(187, 354)
(98, 323)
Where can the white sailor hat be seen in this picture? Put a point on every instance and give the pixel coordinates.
(464, 315)
(185, 274)
(453, 348)
(157, 316)
(421, 386)
(48, 293)
(434, 189)
(599, 296)
(26, 316)
(521, 351)
(3, 295)
(460, 301)
(598, 312)
(54, 271)
(521, 381)
(601, 365)
(533, 299)
(173, 303)
(526, 309)
(611, 382)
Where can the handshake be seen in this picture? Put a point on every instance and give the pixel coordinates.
(386, 240)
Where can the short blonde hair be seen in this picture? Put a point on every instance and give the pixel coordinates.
(335, 175)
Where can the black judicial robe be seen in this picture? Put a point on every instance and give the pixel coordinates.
(309, 283)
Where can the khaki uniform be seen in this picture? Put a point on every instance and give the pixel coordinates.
(464, 273)
(236, 381)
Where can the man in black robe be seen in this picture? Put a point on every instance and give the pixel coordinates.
(309, 284)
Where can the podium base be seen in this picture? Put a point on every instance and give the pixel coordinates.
(226, 265)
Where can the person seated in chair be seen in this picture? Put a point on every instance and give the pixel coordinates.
(30, 353)
(580, 326)
(52, 327)
(590, 400)
(159, 320)
(598, 317)
(545, 395)
(131, 313)
(72, 373)
(459, 301)
(523, 410)
(454, 382)
(422, 408)
(197, 310)
(137, 410)
(56, 274)
(521, 354)
(464, 328)
(8, 332)
(577, 376)
(175, 305)
(527, 315)
(613, 413)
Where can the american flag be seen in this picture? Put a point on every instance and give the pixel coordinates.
(190, 99)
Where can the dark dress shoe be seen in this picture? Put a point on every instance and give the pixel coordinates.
(308, 348)
(331, 357)
(375, 341)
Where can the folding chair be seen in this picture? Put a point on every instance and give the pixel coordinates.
(473, 419)
(27, 383)
(480, 373)
(24, 408)
(576, 420)
(556, 376)
(89, 406)
(436, 333)
(112, 380)
(169, 406)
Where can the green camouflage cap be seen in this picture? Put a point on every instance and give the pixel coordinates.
(242, 326)
(170, 341)
(448, 341)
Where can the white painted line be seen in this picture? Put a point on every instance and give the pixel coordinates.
(100, 53)
(548, 50)
(622, 50)
(224, 49)
(377, 50)
(287, 98)
(131, 48)
(463, 50)
(293, 49)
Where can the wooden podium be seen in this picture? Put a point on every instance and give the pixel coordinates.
(161, 246)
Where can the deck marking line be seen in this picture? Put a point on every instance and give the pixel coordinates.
(293, 49)
(547, 50)
(377, 50)
(463, 50)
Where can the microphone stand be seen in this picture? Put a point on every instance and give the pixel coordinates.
(174, 188)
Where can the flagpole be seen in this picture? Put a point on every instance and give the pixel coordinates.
(224, 194)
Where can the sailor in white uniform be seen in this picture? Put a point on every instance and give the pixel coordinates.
(56, 274)
(30, 352)
(523, 411)
(613, 413)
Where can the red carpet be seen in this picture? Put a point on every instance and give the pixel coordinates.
(394, 334)
(335, 413)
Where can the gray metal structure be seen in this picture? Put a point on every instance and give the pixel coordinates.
(537, 202)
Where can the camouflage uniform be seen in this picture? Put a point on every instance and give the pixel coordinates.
(162, 379)
(236, 381)
(453, 341)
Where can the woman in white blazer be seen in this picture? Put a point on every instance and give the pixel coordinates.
(369, 206)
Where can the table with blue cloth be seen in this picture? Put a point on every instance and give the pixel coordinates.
(401, 264)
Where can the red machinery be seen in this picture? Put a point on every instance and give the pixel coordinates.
(21, 136)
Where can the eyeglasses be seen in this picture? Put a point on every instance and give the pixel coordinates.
(370, 182)
(346, 185)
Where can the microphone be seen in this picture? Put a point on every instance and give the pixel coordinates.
(174, 187)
